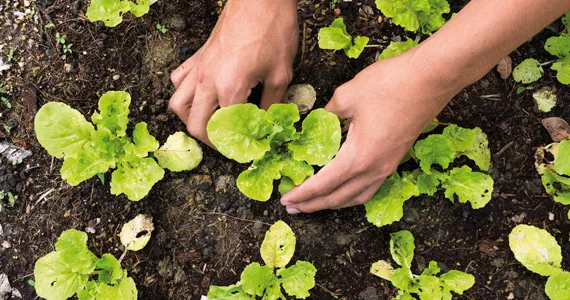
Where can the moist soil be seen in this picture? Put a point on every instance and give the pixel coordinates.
(206, 231)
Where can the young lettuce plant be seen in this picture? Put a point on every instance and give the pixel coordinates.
(335, 37)
(72, 269)
(65, 133)
(539, 252)
(556, 172)
(397, 48)
(266, 281)
(415, 15)
(387, 205)
(111, 11)
(426, 286)
(245, 133)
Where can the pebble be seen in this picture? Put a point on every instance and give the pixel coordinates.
(6, 244)
(511, 296)
(116, 77)
(68, 68)
(302, 95)
(551, 216)
(90, 230)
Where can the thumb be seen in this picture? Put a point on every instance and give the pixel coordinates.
(339, 103)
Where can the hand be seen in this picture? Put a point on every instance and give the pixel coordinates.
(389, 104)
(254, 41)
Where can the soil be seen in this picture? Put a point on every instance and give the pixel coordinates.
(206, 230)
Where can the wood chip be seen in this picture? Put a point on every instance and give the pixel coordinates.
(505, 67)
(558, 129)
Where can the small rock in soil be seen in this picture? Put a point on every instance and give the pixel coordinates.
(225, 182)
(518, 218)
(6, 245)
(302, 95)
(369, 293)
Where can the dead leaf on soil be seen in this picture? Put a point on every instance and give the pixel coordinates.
(135, 234)
(29, 98)
(558, 129)
(505, 67)
(544, 157)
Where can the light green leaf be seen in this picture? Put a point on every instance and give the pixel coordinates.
(458, 281)
(557, 185)
(404, 13)
(140, 8)
(528, 71)
(320, 139)
(562, 68)
(298, 279)
(461, 139)
(126, 289)
(61, 130)
(144, 142)
(256, 278)
(428, 183)
(558, 46)
(387, 204)
(480, 152)
(382, 269)
(87, 163)
(545, 98)
(273, 292)
(334, 37)
(232, 292)
(285, 184)
(434, 20)
(283, 115)
(113, 112)
(356, 49)
(257, 181)
(402, 248)
(435, 149)
(558, 286)
(297, 171)
(278, 245)
(397, 48)
(136, 177)
(473, 187)
(110, 271)
(72, 244)
(404, 296)
(401, 278)
(54, 278)
(107, 145)
(240, 132)
(562, 161)
(432, 269)
(136, 233)
(536, 249)
(108, 11)
(179, 153)
(429, 287)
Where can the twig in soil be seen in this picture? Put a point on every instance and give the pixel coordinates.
(123, 255)
(548, 63)
(44, 195)
(493, 97)
(504, 149)
(23, 277)
(335, 295)
(303, 45)
(374, 46)
(232, 217)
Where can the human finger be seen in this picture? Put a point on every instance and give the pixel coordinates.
(181, 100)
(203, 107)
(338, 104)
(177, 76)
(364, 196)
(274, 90)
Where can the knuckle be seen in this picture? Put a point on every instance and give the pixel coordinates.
(174, 104)
(196, 131)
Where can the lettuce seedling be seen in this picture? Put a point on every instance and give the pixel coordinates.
(335, 37)
(555, 172)
(425, 286)
(539, 252)
(245, 133)
(415, 15)
(65, 133)
(111, 11)
(387, 204)
(528, 71)
(72, 269)
(266, 281)
(397, 48)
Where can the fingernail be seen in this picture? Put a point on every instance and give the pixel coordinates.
(292, 211)
(284, 202)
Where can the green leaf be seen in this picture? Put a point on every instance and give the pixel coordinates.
(240, 132)
(334, 37)
(558, 46)
(273, 292)
(562, 68)
(528, 71)
(286, 184)
(356, 49)
(558, 286)
(435, 149)
(402, 248)
(179, 153)
(126, 289)
(113, 112)
(428, 183)
(457, 281)
(55, 279)
(536, 249)
(387, 204)
(434, 20)
(562, 161)
(256, 278)
(278, 245)
(401, 278)
(297, 171)
(473, 187)
(432, 269)
(72, 244)
(136, 233)
(480, 152)
(556, 185)
(140, 8)
(320, 139)
(429, 287)
(135, 177)
(283, 115)
(107, 145)
(108, 11)
(461, 139)
(404, 13)
(62, 130)
(545, 98)
(232, 292)
(257, 181)
(110, 271)
(298, 279)
(87, 163)
(382, 269)
(144, 142)
(397, 48)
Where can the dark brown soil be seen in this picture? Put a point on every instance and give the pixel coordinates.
(206, 231)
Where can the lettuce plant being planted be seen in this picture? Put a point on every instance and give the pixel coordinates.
(267, 281)
(245, 133)
(387, 205)
(556, 171)
(425, 286)
(65, 133)
(111, 11)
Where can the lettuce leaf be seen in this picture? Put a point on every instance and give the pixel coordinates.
(356, 49)
(405, 13)
(143, 141)
(278, 245)
(457, 281)
(536, 249)
(256, 278)
(473, 187)
(179, 153)
(86, 164)
(109, 11)
(557, 185)
(461, 138)
(397, 48)
(135, 177)
(298, 279)
(558, 286)
(110, 271)
(528, 71)
(113, 112)
(335, 37)
(479, 152)
(257, 181)
(387, 205)
(562, 161)
(435, 149)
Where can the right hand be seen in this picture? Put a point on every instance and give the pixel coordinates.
(254, 41)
